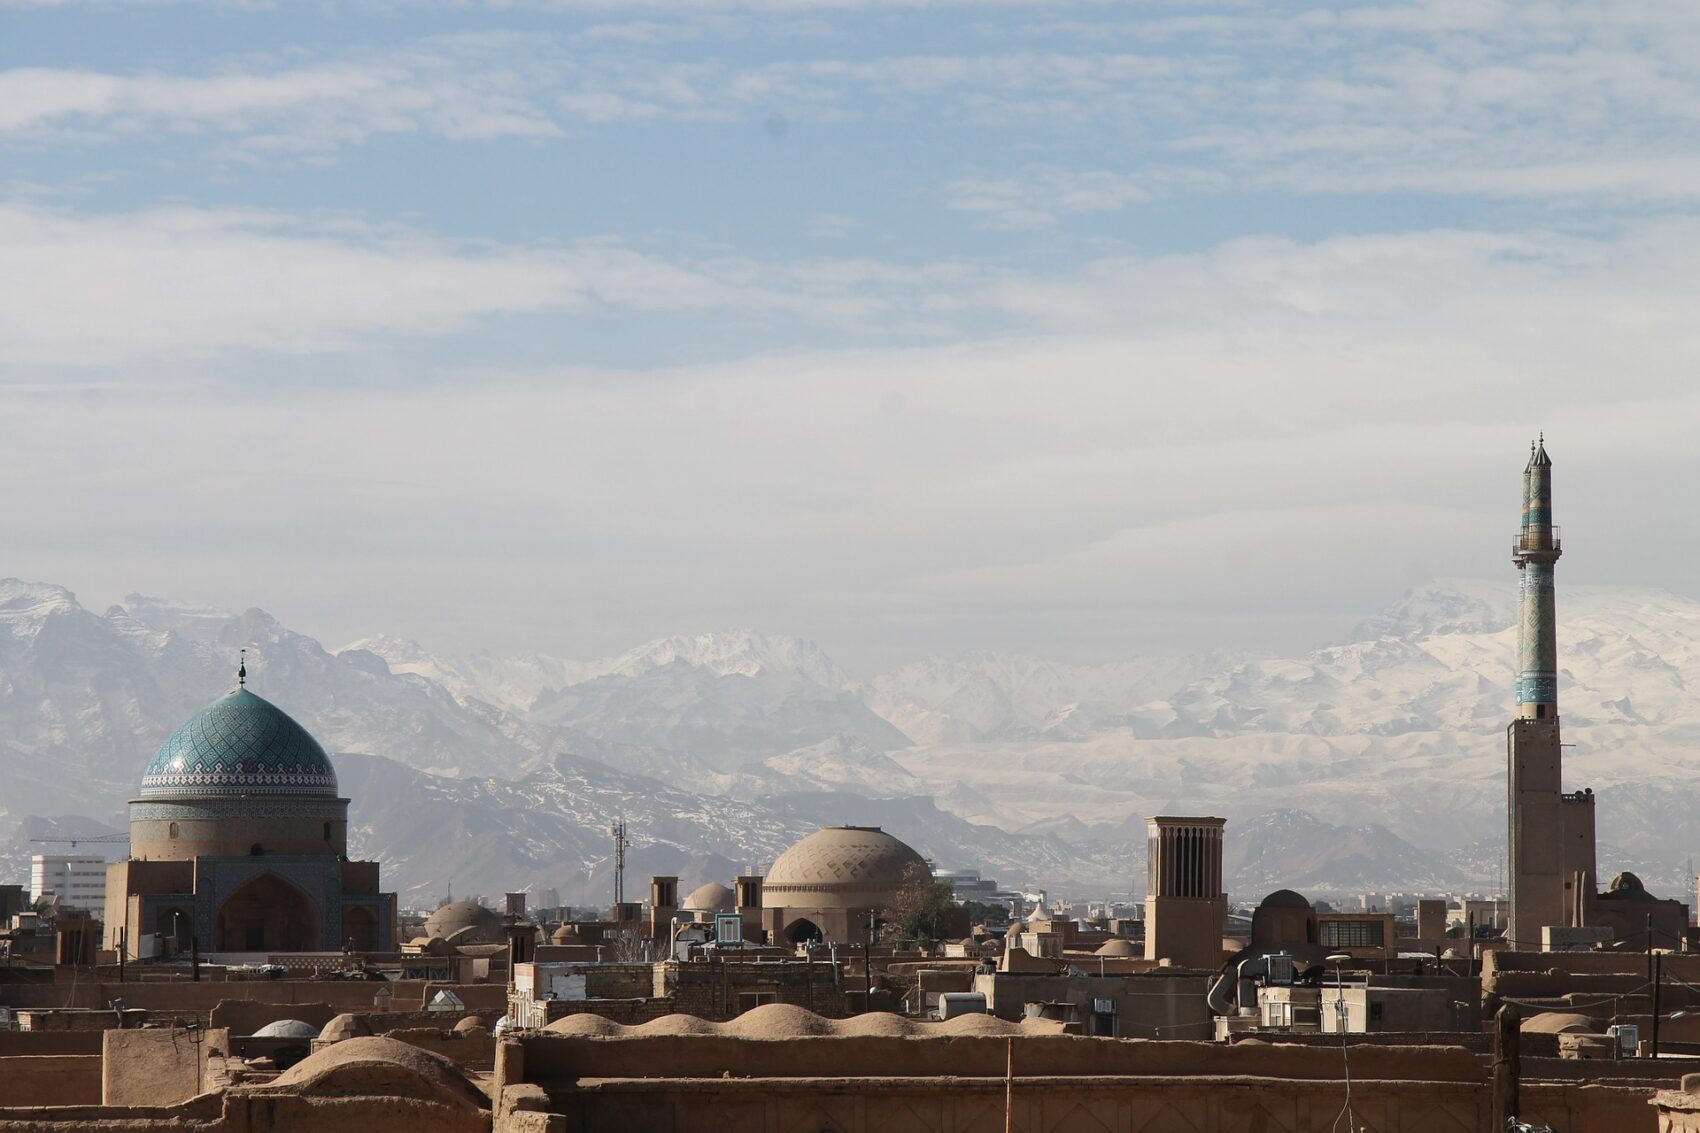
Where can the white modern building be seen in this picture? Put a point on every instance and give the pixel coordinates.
(78, 882)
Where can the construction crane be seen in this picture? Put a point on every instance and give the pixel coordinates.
(92, 839)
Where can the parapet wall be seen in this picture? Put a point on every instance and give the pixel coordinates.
(551, 1057)
(169, 998)
(253, 1112)
(50, 1079)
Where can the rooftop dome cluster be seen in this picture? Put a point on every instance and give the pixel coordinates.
(786, 1021)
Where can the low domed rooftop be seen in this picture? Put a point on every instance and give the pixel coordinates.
(465, 922)
(1284, 899)
(710, 897)
(842, 867)
(240, 744)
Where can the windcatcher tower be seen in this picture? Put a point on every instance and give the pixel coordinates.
(1184, 902)
(1551, 834)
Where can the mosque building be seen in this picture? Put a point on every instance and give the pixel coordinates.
(239, 844)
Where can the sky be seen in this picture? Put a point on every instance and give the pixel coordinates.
(1084, 329)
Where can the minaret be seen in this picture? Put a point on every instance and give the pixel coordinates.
(1535, 553)
(1550, 835)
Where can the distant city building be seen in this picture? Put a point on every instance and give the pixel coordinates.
(968, 885)
(77, 882)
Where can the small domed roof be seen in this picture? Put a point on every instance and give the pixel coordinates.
(240, 744)
(1627, 887)
(710, 897)
(842, 867)
(344, 1027)
(1284, 899)
(458, 916)
(565, 934)
(1119, 948)
(287, 1029)
(1561, 1023)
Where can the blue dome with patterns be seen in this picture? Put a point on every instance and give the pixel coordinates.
(240, 744)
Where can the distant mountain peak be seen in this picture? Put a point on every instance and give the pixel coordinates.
(1442, 606)
(732, 652)
(18, 596)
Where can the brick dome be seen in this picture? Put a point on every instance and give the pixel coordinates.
(842, 867)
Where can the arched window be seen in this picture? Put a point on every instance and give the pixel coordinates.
(327, 832)
(173, 831)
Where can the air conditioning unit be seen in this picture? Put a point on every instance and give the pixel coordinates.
(1628, 1036)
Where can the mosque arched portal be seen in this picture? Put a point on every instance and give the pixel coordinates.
(803, 931)
(359, 929)
(268, 915)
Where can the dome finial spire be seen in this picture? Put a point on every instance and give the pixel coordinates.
(242, 670)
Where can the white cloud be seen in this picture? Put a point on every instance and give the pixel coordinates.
(1431, 97)
(1297, 426)
(175, 284)
(300, 108)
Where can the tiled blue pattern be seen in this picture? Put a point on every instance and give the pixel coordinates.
(239, 744)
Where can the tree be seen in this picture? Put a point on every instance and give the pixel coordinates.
(921, 908)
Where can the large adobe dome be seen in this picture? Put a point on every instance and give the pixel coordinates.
(239, 744)
(842, 867)
(466, 922)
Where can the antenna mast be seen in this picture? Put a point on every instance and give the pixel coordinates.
(620, 845)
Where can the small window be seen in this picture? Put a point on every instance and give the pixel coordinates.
(749, 1000)
(173, 831)
(255, 850)
(327, 832)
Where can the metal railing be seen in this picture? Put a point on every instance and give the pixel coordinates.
(1527, 540)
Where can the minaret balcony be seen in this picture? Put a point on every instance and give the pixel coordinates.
(1537, 544)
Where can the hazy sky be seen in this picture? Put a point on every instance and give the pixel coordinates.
(1083, 329)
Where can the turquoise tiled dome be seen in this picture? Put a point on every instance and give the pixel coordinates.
(240, 744)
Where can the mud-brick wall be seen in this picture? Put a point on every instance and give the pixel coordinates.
(564, 1057)
(710, 991)
(1062, 1105)
(158, 1066)
(627, 1012)
(50, 1079)
(48, 1042)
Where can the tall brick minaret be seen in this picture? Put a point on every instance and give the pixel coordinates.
(1550, 834)
(1536, 553)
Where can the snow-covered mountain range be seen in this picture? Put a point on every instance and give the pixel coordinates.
(1376, 762)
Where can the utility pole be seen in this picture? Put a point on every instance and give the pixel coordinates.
(1658, 978)
(1506, 1066)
